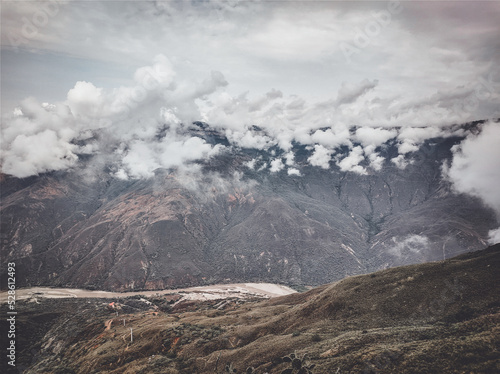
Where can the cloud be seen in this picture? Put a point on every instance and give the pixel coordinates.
(411, 137)
(38, 139)
(251, 164)
(494, 236)
(276, 165)
(249, 139)
(293, 171)
(351, 161)
(400, 161)
(409, 246)
(84, 98)
(320, 157)
(128, 119)
(332, 137)
(289, 158)
(142, 157)
(25, 157)
(264, 74)
(293, 47)
(376, 161)
(374, 136)
(475, 166)
(348, 93)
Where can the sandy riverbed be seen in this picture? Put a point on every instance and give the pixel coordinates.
(217, 291)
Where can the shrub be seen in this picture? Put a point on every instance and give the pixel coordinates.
(316, 338)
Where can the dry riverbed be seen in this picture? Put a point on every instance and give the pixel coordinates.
(217, 291)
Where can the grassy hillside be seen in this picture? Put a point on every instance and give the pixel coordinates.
(441, 317)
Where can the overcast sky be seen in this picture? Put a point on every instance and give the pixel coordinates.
(322, 73)
(325, 74)
(415, 51)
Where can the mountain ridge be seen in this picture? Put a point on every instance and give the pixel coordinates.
(228, 222)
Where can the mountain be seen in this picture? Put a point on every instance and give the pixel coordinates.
(440, 317)
(232, 219)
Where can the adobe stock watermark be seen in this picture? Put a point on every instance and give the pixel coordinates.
(11, 314)
(483, 90)
(154, 77)
(364, 37)
(463, 111)
(31, 26)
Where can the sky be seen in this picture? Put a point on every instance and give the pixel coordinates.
(416, 51)
(322, 73)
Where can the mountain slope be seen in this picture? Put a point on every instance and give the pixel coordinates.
(435, 317)
(228, 222)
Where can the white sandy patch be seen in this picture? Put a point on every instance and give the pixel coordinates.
(214, 292)
(270, 289)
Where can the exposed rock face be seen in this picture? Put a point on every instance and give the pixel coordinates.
(235, 223)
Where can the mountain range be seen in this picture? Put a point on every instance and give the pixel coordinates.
(233, 218)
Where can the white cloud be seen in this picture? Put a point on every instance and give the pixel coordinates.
(400, 161)
(40, 137)
(143, 158)
(241, 64)
(348, 93)
(332, 137)
(84, 99)
(293, 47)
(263, 166)
(321, 157)
(351, 161)
(251, 164)
(374, 136)
(417, 135)
(410, 245)
(412, 137)
(494, 236)
(289, 158)
(475, 167)
(249, 139)
(25, 157)
(276, 165)
(293, 171)
(140, 161)
(376, 161)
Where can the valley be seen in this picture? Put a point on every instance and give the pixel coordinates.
(216, 291)
(437, 317)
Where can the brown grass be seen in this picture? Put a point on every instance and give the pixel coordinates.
(438, 317)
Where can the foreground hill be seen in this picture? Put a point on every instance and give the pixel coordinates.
(234, 223)
(441, 317)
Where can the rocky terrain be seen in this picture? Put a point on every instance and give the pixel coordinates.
(232, 223)
(436, 317)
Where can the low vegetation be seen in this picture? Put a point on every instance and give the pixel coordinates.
(438, 317)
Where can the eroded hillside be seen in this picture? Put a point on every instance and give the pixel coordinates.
(435, 317)
(232, 223)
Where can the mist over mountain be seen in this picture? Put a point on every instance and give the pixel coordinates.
(246, 213)
(232, 141)
(344, 154)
